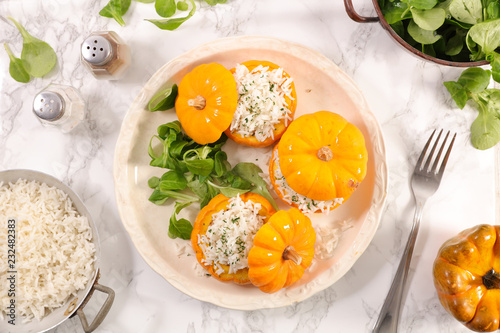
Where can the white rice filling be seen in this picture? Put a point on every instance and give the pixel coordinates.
(261, 102)
(230, 235)
(53, 248)
(328, 238)
(304, 204)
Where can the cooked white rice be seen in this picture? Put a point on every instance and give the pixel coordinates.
(230, 235)
(328, 238)
(261, 102)
(54, 250)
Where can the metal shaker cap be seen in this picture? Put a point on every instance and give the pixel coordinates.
(48, 105)
(97, 50)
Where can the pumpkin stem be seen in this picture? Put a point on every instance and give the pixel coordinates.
(291, 254)
(325, 153)
(491, 280)
(198, 102)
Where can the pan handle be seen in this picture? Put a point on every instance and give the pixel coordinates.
(102, 312)
(349, 8)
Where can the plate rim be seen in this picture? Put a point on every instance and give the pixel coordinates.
(376, 137)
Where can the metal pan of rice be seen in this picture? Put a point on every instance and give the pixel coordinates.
(49, 254)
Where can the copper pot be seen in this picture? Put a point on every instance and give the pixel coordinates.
(380, 18)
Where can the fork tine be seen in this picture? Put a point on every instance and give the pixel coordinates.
(436, 161)
(429, 158)
(418, 165)
(445, 160)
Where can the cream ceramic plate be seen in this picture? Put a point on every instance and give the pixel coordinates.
(320, 85)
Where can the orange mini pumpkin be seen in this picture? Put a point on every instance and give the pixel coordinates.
(283, 249)
(203, 222)
(322, 156)
(467, 277)
(206, 102)
(279, 128)
(292, 198)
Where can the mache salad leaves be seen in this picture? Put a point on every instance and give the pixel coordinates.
(196, 173)
(463, 31)
(455, 30)
(165, 8)
(473, 85)
(37, 57)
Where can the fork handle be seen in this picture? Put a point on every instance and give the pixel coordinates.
(389, 315)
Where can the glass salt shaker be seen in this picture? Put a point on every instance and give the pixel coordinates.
(59, 106)
(105, 55)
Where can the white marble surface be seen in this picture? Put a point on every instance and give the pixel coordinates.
(405, 93)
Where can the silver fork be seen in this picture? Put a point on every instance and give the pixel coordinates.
(424, 183)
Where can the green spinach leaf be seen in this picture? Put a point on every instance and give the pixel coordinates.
(457, 92)
(422, 4)
(38, 57)
(422, 36)
(214, 2)
(153, 182)
(172, 24)
(455, 44)
(165, 8)
(198, 188)
(16, 67)
(200, 167)
(196, 173)
(158, 197)
(182, 6)
(250, 172)
(442, 27)
(486, 35)
(395, 11)
(475, 79)
(221, 165)
(493, 10)
(116, 9)
(430, 19)
(164, 100)
(228, 191)
(172, 180)
(494, 59)
(165, 194)
(179, 228)
(485, 130)
(467, 11)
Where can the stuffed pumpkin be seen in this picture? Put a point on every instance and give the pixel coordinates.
(266, 103)
(319, 162)
(223, 231)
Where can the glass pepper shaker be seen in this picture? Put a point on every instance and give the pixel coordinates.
(105, 55)
(59, 106)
